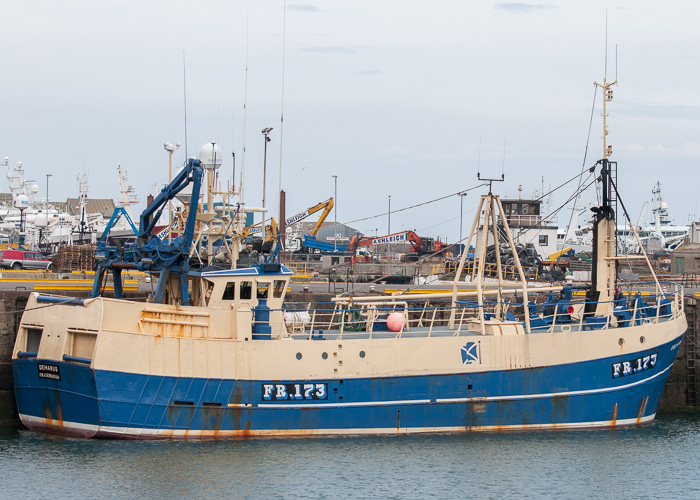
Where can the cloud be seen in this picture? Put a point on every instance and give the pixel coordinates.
(329, 50)
(686, 149)
(369, 72)
(657, 110)
(303, 8)
(395, 150)
(523, 8)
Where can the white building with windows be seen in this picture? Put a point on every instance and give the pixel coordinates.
(527, 225)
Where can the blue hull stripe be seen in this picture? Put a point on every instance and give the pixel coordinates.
(86, 402)
(465, 400)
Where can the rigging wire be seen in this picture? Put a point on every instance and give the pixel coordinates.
(184, 92)
(583, 171)
(417, 205)
(245, 101)
(556, 211)
(588, 140)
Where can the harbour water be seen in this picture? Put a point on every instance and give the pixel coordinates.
(659, 460)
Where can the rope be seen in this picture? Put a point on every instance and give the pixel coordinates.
(418, 205)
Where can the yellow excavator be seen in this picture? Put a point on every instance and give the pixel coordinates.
(327, 206)
(271, 232)
(272, 229)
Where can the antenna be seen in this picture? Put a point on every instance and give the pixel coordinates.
(489, 180)
(503, 166)
(478, 163)
(606, 43)
(245, 98)
(184, 90)
(233, 153)
(284, 45)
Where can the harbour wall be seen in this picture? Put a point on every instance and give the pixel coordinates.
(680, 394)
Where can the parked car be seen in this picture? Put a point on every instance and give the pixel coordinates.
(23, 259)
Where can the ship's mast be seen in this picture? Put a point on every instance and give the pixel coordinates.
(607, 97)
(604, 273)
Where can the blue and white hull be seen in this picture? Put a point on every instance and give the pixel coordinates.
(142, 386)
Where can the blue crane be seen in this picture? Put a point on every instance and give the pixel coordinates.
(148, 252)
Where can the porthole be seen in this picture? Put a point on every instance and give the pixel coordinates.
(642, 339)
(324, 355)
(362, 354)
(298, 355)
(621, 341)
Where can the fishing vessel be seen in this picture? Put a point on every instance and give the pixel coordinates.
(220, 353)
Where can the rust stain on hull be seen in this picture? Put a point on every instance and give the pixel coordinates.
(642, 407)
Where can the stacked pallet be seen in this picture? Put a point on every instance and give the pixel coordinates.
(71, 258)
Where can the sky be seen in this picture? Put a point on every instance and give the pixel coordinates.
(401, 98)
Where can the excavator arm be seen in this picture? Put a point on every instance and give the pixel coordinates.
(327, 206)
(271, 231)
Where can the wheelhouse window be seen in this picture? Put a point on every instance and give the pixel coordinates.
(82, 344)
(33, 339)
(279, 289)
(263, 290)
(246, 290)
(229, 291)
(544, 239)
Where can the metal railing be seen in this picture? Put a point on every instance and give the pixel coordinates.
(427, 317)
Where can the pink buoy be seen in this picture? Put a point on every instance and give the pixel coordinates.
(395, 322)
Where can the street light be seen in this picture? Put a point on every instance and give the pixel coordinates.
(47, 190)
(335, 212)
(265, 133)
(461, 201)
(170, 148)
(388, 248)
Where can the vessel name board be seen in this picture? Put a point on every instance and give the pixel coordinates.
(49, 371)
(287, 392)
(633, 366)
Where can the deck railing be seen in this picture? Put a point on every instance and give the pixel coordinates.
(638, 305)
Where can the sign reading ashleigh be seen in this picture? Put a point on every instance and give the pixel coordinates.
(49, 371)
(394, 238)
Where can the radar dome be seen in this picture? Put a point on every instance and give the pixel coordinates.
(664, 205)
(22, 202)
(210, 155)
(35, 188)
(41, 220)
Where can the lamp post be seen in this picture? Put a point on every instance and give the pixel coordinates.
(170, 148)
(335, 212)
(265, 133)
(47, 191)
(388, 232)
(461, 201)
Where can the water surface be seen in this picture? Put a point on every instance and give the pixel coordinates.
(660, 460)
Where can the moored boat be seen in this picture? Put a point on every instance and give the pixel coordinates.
(219, 353)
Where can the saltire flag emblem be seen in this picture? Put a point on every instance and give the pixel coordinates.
(470, 353)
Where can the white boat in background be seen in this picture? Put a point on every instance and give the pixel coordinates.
(46, 227)
(661, 234)
(576, 236)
